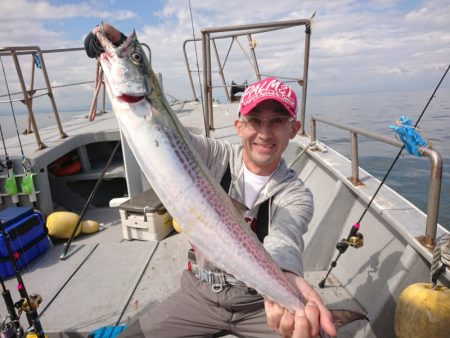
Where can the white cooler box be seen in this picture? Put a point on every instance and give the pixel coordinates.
(144, 217)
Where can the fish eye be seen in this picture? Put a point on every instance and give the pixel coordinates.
(136, 57)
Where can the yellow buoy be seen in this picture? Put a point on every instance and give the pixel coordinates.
(60, 224)
(33, 335)
(89, 227)
(423, 312)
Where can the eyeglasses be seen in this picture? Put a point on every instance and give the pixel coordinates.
(272, 123)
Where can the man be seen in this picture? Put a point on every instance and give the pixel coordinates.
(266, 123)
(279, 210)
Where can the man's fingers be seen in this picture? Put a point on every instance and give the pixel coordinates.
(302, 327)
(313, 315)
(274, 312)
(286, 324)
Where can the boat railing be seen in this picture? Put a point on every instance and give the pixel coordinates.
(29, 94)
(434, 185)
(209, 38)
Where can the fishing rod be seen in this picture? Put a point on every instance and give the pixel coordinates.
(25, 304)
(198, 71)
(88, 202)
(354, 237)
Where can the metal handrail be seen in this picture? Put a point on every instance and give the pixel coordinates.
(44, 88)
(14, 52)
(434, 185)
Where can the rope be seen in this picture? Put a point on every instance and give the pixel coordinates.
(409, 136)
(441, 258)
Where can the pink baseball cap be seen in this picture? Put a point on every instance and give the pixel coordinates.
(268, 89)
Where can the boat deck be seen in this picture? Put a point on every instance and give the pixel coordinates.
(81, 295)
(106, 280)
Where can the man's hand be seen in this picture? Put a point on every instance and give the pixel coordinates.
(306, 322)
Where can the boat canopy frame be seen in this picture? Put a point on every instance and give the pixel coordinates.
(209, 37)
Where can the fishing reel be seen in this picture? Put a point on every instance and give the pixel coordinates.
(23, 305)
(26, 164)
(6, 164)
(11, 328)
(355, 240)
(8, 329)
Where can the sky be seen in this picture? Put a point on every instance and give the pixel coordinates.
(356, 46)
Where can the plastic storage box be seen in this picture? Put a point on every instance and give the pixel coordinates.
(27, 234)
(144, 217)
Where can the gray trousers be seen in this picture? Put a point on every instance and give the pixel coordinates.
(194, 310)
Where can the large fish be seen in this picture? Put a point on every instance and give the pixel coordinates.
(179, 177)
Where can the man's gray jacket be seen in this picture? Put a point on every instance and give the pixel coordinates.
(290, 208)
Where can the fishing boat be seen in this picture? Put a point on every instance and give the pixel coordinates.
(135, 260)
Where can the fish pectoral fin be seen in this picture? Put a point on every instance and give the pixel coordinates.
(344, 317)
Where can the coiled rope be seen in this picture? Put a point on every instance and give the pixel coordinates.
(441, 258)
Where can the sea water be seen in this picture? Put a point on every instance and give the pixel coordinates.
(376, 112)
(370, 111)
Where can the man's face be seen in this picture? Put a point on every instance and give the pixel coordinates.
(265, 142)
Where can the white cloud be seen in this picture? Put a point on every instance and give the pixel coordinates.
(45, 10)
(355, 45)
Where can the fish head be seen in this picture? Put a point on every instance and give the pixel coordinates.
(125, 68)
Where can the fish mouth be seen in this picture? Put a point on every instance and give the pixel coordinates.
(109, 46)
(130, 98)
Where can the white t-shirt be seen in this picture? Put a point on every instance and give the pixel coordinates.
(253, 184)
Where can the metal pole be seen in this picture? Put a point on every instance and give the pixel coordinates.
(275, 24)
(313, 129)
(355, 159)
(50, 95)
(209, 83)
(434, 193)
(103, 98)
(28, 129)
(205, 83)
(40, 144)
(305, 77)
(255, 61)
